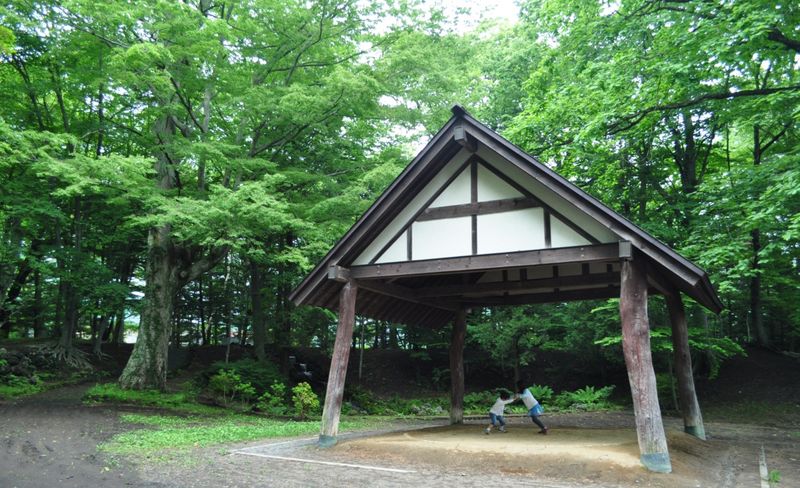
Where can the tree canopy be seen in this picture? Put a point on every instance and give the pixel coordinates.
(173, 169)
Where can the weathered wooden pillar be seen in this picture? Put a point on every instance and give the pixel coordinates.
(692, 418)
(639, 362)
(338, 372)
(457, 368)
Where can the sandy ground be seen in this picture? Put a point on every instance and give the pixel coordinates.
(50, 440)
(598, 450)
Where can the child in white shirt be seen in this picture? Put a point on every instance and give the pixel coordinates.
(497, 410)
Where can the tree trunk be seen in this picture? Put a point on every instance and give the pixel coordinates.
(639, 362)
(71, 299)
(169, 267)
(755, 282)
(101, 332)
(257, 305)
(38, 322)
(147, 366)
(457, 367)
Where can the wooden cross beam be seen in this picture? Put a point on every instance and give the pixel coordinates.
(470, 264)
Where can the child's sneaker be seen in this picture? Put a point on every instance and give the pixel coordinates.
(543, 431)
(487, 430)
(503, 430)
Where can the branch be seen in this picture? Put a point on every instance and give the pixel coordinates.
(777, 136)
(628, 121)
(185, 104)
(776, 35)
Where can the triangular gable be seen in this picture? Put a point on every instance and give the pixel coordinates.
(383, 231)
(473, 208)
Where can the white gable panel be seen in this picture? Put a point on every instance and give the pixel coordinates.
(397, 251)
(520, 230)
(548, 196)
(441, 238)
(561, 235)
(491, 187)
(457, 192)
(412, 208)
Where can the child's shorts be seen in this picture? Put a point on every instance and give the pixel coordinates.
(497, 419)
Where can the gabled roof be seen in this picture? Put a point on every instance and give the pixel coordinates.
(462, 130)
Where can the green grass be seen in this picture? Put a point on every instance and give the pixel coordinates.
(177, 433)
(18, 390)
(779, 414)
(178, 402)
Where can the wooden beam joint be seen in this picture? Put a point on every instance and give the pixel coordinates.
(462, 137)
(338, 273)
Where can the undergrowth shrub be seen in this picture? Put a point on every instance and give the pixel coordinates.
(305, 400)
(542, 393)
(273, 401)
(228, 385)
(260, 375)
(479, 401)
(588, 398)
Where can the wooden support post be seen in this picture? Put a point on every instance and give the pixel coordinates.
(338, 372)
(457, 367)
(692, 418)
(639, 362)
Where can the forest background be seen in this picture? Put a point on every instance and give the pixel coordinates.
(173, 169)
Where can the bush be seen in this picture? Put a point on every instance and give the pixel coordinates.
(273, 401)
(365, 401)
(227, 385)
(587, 398)
(305, 400)
(260, 375)
(13, 386)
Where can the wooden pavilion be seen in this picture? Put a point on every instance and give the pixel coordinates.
(474, 221)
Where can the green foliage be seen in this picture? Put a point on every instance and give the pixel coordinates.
(180, 402)
(12, 386)
(228, 385)
(774, 476)
(274, 400)
(542, 393)
(173, 433)
(479, 401)
(588, 398)
(364, 400)
(260, 375)
(305, 400)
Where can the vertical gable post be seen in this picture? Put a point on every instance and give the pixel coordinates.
(457, 367)
(338, 371)
(639, 362)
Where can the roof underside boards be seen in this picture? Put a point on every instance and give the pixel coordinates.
(420, 252)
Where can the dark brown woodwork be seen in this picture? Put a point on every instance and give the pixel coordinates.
(338, 273)
(465, 140)
(403, 293)
(338, 371)
(639, 362)
(601, 252)
(690, 408)
(548, 233)
(477, 208)
(457, 367)
(500, 286)
(554, 296)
